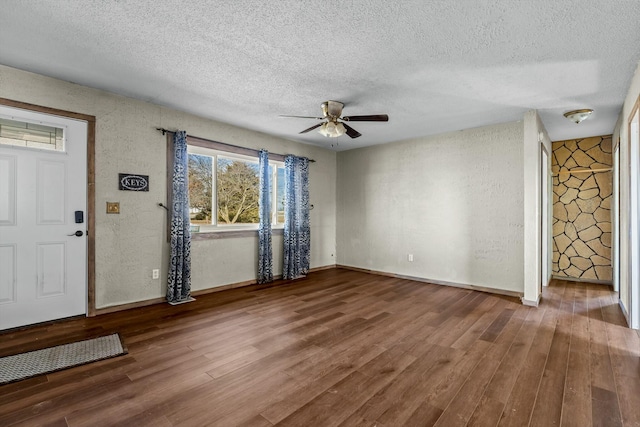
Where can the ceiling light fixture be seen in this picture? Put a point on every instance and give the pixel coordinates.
(577, 116)
(332, 129)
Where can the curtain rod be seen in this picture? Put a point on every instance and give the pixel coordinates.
(232, 148)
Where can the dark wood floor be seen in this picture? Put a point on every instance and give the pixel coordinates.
(349, 349)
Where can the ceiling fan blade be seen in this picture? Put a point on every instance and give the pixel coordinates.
(311, 128)
(370, 118)
(302, 117)
(351, 131)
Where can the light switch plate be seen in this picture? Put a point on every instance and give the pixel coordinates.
(113, 207)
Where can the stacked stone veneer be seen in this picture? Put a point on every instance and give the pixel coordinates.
(582, 209)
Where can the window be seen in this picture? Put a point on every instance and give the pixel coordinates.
(224, 190)
(31, 135)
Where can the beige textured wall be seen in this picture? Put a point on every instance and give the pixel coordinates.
(130, 245)
(582, 208)
(454, 201)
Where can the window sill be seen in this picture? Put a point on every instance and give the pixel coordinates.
(228, 234)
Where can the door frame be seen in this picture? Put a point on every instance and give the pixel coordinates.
(91, 196)
(633, 251)
(545, 180)
(615, 217)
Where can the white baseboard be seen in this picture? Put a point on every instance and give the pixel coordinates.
(624, 312)
(531, 303)
(573, 279)
(435, 282)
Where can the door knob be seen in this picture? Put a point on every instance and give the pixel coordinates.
(77, 234)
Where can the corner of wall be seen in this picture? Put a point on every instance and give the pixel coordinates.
(532, 229)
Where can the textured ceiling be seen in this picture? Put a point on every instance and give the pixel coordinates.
(433, 66)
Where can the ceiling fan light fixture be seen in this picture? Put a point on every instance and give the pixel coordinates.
(332, 125)
(578, 116)
(332, 129)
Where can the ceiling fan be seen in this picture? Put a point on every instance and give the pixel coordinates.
(334, 125)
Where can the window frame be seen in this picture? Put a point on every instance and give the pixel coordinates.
(41, 146)
(216, 230)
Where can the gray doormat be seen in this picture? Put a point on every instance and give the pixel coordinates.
(26, 365)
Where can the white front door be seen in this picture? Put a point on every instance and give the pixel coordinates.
(43, 204)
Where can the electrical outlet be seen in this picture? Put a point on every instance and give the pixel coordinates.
(155, 273)
(410, 257)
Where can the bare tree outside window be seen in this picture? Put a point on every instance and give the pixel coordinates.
(200, 187)
(238, 184)
(236, 188)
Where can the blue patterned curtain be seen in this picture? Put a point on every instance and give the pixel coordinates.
(179, 277)
(265, 258)
(296, 218)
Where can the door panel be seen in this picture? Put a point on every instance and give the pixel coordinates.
(43, 265)
(51, 269)
(7, 190)
(8, 280)
(51, 192)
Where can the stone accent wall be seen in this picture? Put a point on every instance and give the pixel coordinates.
(582, 208)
